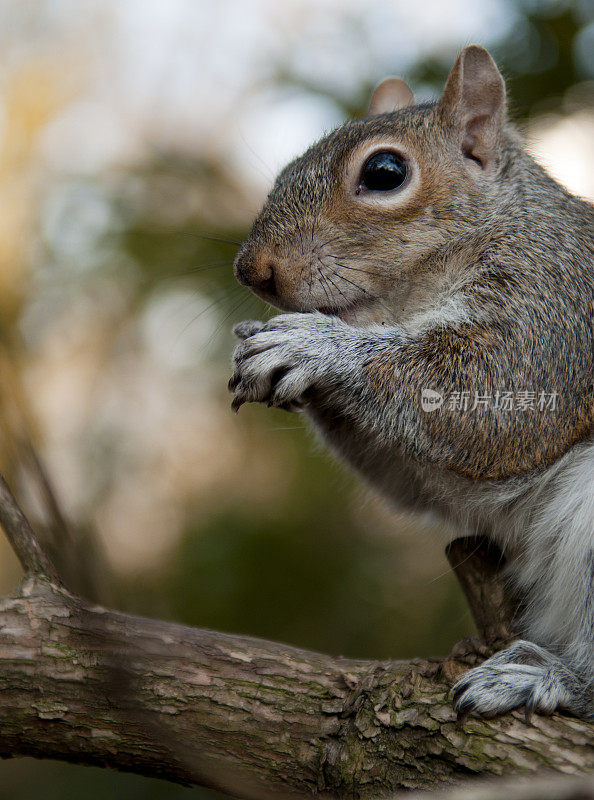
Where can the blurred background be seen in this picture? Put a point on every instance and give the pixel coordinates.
(137, 141)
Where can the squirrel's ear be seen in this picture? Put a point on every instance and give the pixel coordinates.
(474, 99)
(390, 95)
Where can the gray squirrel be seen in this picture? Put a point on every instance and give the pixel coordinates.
(440, 339)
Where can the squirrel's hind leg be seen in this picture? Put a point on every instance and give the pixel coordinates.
(523, 675)
(554, 575)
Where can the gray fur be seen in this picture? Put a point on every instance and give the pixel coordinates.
(474, 278)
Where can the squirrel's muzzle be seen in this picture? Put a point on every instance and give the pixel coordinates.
(256, 271)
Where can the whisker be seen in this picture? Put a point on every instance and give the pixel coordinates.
(270, 311)
(357, 269)
(363, 257)
(361, 289)
(214, 265)
(210, 237)
(342, 294)
(340, 236)
(324, 285)
(270, 176)
(232, 311)
(352, 283)
(218, 301)
(224, 295)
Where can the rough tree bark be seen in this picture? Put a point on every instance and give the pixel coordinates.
(253, 718)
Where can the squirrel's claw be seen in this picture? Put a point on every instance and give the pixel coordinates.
(243, 330)
(237, 403)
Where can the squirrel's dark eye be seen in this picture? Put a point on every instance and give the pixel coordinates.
(383, 172)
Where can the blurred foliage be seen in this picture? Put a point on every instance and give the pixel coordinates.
(304, 572)
(284, 544)
(538, 60)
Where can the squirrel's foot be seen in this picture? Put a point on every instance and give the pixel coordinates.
(523, 674)
(278, 361)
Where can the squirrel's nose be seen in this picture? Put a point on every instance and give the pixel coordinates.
(258, 274)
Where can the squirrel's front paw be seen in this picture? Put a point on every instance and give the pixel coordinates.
(277, 362)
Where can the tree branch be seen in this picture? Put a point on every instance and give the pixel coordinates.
(252, 718)
(477, 563)
(248, 717)
(22, 538)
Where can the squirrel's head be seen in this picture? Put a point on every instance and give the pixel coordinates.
(349, 225)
